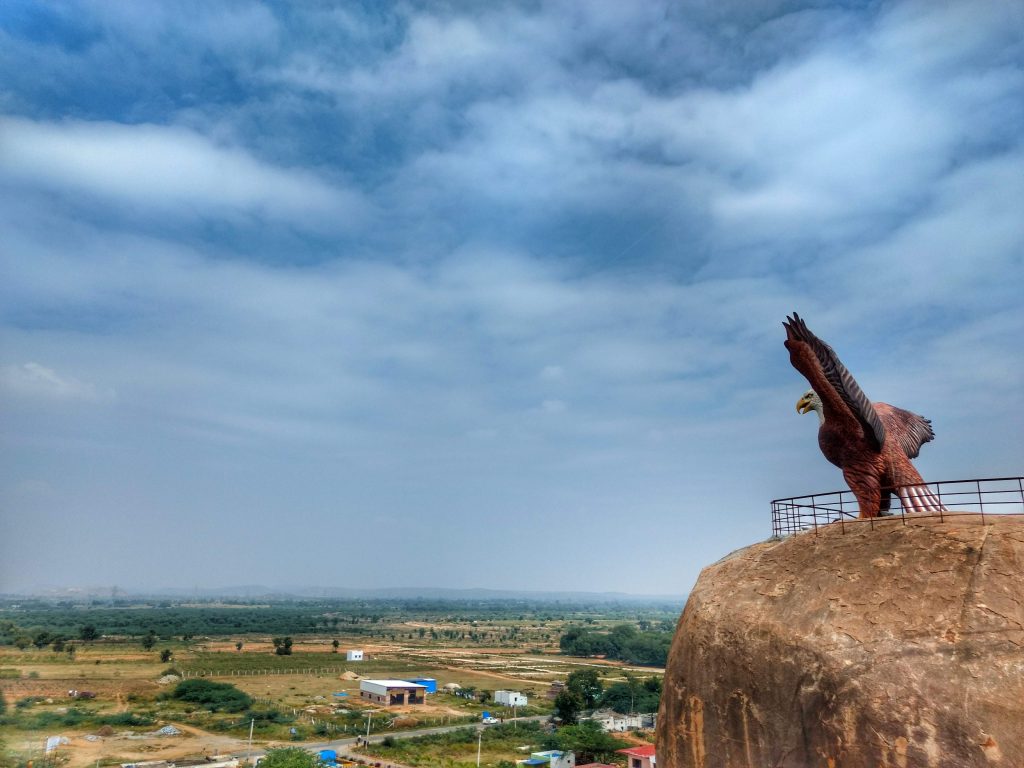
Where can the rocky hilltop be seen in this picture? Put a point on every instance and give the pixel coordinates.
(887, 645)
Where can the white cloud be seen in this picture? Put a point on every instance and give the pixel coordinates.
(37, 381)
(169, 170)
(552, 373)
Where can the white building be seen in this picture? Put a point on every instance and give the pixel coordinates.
(510, 698)
(553, 758)
(613, 721)
(353, 655)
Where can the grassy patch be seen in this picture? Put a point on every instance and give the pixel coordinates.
(457, 749)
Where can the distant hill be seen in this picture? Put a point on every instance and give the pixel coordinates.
(258, 591)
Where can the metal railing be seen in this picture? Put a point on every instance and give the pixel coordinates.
(984, 496)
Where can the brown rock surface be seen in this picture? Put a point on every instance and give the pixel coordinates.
(887, 645)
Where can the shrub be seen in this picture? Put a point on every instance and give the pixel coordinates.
(268, 716)
(214, 696)
(289, 757)
(124, 718)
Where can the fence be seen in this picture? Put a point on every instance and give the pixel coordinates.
(186, 673)
(980, 496)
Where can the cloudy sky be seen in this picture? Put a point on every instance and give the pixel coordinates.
(485, 294)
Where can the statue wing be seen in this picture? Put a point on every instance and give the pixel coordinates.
(909, 430)
(826, 370)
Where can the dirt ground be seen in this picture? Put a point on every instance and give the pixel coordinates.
(125, 747)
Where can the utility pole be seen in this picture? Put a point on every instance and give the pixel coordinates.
(369, 716)
(248, 750)
(479, 743)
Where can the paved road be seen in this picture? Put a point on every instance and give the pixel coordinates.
(376, 738)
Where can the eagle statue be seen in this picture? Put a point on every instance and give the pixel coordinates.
(872, 443)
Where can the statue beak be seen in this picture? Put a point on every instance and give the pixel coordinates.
(803, 405)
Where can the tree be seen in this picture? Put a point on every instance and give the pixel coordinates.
(588, 740)
(58, 645)
(587, 684)
(149, 640)
(42, 639)
(165, 655)
(70, 650)
(633, 695)
(335, 644)
(289, 757)
(282, 646)
(567, 706)
(21, 642)
(88, 633)
(238, 646)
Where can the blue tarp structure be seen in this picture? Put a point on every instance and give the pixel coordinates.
(427, 682)
(340, 694)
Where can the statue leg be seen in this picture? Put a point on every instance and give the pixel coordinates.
(886, 503)
(867, 488)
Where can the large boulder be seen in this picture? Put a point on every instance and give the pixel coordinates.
(885, 644)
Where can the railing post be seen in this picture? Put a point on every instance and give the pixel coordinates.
(981, 501)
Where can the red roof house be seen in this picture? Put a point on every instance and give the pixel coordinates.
(640, 757)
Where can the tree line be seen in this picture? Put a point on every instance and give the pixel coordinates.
(623, 642)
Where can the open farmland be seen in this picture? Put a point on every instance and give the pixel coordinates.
(308, 695)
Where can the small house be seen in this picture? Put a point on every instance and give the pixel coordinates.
(615, 722)
(510, 698)
(353, 655)
(554, 758)
(392, 692)
(640, 757)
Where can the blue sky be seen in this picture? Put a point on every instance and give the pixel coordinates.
(493, 288)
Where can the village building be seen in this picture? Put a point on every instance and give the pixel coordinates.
(510, 698)
(353, 655)
(640, 757)
(615, 722)
(554, 758)
(392, 692)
